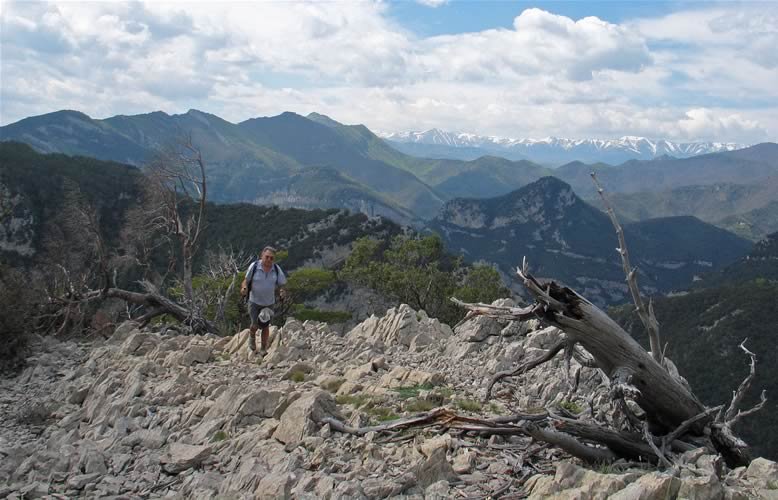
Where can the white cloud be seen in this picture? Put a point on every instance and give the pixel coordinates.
(696, 74)
(708, 124)
(432, 3)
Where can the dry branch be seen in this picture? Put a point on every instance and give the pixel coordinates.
(524, 367)
(646, 315)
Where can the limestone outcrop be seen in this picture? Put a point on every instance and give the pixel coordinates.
(145, 414)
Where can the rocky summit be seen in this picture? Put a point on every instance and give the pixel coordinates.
(149, 413)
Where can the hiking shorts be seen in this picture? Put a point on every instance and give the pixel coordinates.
(254, 310)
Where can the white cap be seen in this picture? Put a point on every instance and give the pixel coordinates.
(265, 315)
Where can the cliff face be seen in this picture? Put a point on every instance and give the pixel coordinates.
(152, 413)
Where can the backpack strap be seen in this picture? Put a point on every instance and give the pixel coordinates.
(250, 277)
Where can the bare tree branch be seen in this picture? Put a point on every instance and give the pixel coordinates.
(646, 315)
(525, 367)
(737, 396)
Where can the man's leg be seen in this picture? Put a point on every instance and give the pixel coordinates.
(264, 338)
(253, 338)
(253, 314)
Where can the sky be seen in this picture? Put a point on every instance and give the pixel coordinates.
(684, 71)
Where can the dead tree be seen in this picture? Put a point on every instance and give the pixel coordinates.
(669, 405)
(173, 213)
(223, 264)
(177, 179)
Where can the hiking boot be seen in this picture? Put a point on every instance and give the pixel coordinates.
(262, 352)
(252, 343)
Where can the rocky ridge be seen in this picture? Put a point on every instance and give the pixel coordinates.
(148, 414)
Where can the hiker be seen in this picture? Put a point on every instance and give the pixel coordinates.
(262, 278)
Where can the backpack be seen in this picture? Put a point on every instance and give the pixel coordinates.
(250, 277)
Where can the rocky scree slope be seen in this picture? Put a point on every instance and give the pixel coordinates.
(147, 414)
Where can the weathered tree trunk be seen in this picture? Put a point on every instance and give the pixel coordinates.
(158, 305)
(668, 403)
(665, 400)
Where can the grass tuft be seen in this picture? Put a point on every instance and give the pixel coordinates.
(469, 405)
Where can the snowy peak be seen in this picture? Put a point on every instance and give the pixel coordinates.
(554, 150)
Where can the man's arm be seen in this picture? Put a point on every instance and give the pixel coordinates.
(244, 287)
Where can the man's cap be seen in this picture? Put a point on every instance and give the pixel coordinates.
(265, 315)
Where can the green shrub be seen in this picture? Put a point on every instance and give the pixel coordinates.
(304, 313)
(495, 408)
(419, 405)
(417, 270)
(18, 305)
(297, 376)
(382, 413)
(411, 391)
(219, 436)
(571, 406)
(333, 385)
(355, 400)
(469, 405)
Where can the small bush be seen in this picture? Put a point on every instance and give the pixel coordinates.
(383, 413)
(495, 408)
(571, 406)
(333, 385)
(411, 391)
(17, 303)
(419, 405)
(305, 313)
(469, 405)
(219, 436)
(297, 376)
(355, 400)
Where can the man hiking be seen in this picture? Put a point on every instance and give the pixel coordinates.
(262, 278)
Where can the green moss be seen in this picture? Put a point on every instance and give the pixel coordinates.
(297, 376)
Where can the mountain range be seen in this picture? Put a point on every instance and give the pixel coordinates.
(261, 159)
(315, 162)
(749, 210)
(551, 151)
(571, 241)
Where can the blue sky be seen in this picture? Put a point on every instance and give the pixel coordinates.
(684, 71)
(469, 16)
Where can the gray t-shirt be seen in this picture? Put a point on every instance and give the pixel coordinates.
(263, 285)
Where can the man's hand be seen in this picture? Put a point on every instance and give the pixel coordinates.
(244, 289)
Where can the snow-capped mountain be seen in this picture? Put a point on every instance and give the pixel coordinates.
(550, 150)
